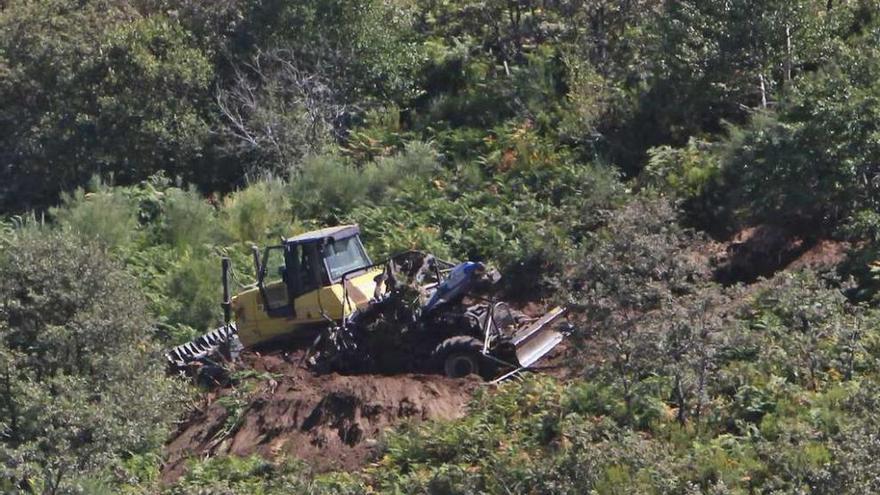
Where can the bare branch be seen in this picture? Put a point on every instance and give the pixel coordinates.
(278, 111)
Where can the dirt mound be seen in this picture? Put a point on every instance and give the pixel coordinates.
(764, 250)
(823, 254)
(758, 252)
(329, 421)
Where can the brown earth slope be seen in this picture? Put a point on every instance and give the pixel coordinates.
(764, 250)
(330, 421)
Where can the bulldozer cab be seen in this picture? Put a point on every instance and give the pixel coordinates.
(300, 284)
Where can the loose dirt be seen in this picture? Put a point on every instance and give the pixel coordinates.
(332, 422)
(763, 250)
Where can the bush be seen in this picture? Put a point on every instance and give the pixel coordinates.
(194, 291)
(690, 176)
(188, 220)
(229, 475)
(104, 214)
(73, 331)
(328, 187)
(258, 213)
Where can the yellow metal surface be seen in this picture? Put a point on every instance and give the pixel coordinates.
(255, 326)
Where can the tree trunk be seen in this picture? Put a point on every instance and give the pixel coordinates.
(763, 88)
(787, 53)
(681, 416)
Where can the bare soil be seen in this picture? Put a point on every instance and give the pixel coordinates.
(763, 250)
(331, 421)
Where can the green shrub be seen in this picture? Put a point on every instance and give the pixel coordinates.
(73, 331)
(229, 475)
(328, 188)
(691, 176)
(103, 214)
(188, 221)
(193, 291)
(258, 213)
(326, 185)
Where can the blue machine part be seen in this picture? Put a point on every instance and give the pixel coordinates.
(455, 285)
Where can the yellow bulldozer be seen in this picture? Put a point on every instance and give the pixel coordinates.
(411, 312)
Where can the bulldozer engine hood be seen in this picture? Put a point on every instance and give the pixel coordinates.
(310, 310)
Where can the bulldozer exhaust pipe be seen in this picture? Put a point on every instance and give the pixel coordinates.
(226, 304)
(258, 269)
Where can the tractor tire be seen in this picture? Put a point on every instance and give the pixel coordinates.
(461, 356)
(212, 376)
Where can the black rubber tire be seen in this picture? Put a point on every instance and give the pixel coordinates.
(460, 356)
(211, 376)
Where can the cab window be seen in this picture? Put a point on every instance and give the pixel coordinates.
(345, 255)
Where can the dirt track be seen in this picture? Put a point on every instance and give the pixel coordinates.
(331, 421)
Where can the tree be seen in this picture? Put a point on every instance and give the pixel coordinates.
(811, 163)
(633, 273)
(276, 113)
(718, 60)
(363, 48)
(96, 88)
(816, 331)
(83, 384)
(690, 336)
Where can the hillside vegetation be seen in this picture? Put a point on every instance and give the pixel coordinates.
(698, 180)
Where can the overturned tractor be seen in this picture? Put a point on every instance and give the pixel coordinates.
(412, 312)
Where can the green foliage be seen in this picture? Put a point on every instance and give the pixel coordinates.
(380, 132)
(761, 428)
(363, 46)
(252, 475)
(194, 282)
(153, 95)
(689, 175)
(73, 330)
(104, 215)
(715, 60)
(231, 476)
(523, 194)
(863, 264)
(258, 212)
(639, 292)
(590, 99)
(808, 165)
(96, 87)
(823, 337)
(527, 437)
(498, 131)
(328, 188)
(275, 113)
(636, 262)
(188, 221)
(773, 175)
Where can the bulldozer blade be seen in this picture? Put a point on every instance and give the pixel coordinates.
(535, 341)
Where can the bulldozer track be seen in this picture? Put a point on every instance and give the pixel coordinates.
(202, 347)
